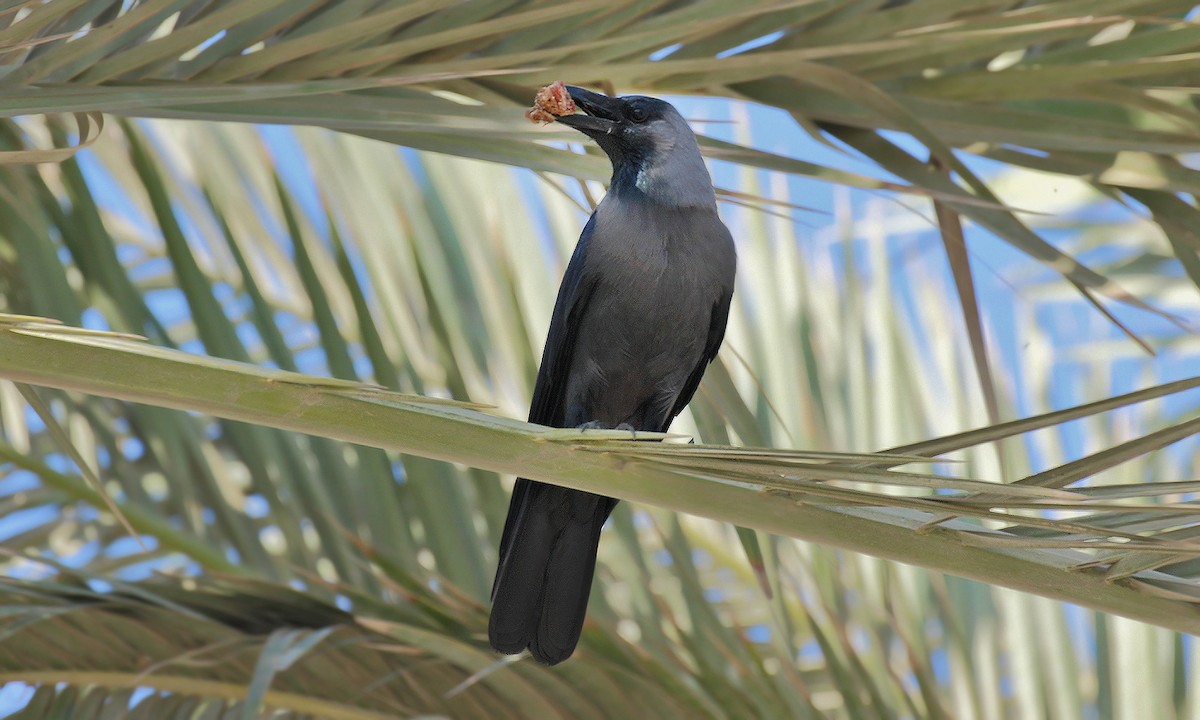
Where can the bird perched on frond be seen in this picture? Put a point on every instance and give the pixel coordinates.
(640, 314)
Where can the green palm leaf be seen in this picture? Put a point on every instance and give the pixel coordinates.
(1045, 79)
(791, 494)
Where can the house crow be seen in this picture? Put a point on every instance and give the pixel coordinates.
(640, 314)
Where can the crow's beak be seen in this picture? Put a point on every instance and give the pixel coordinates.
(603, 112)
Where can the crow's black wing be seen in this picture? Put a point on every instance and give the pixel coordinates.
(549, 393)
(548, 547)
(549, 401)
(716, 333)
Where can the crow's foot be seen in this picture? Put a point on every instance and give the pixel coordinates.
(597, 425)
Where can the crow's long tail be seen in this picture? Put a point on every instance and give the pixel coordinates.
(547, 559)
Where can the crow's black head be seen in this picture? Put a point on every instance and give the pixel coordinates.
(650, 144)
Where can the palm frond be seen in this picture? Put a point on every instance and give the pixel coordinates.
(783, 493)
(1102, 93)
(235, 648)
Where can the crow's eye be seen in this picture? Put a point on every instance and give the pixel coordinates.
(637, 115)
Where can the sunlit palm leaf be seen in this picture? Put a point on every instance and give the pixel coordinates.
(1054, 80)
(810, 500)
